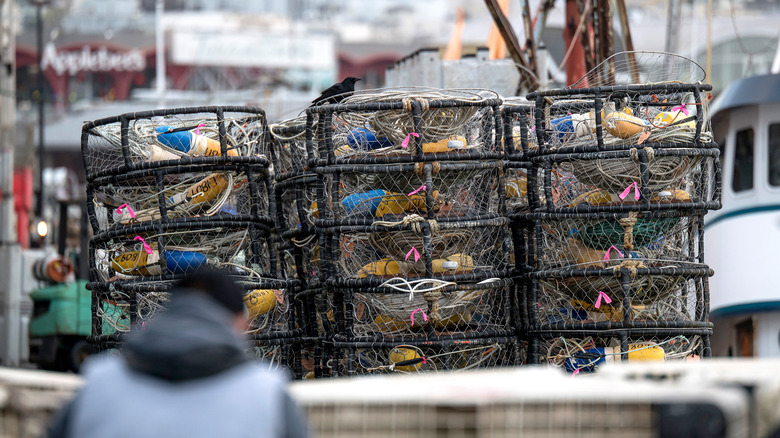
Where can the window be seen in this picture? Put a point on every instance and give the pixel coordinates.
(743, 161)
(774, 154)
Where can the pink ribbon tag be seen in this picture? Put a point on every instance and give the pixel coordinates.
(197, 128)
(143, 324)
(425, 317)
(130, 210)
(405, 143)
(422, 187)
(606, 256)
(577, 371)
(146, 247)
(607, 299)
(628, 190)
(423, 357)
(416, 254)
(681, 108)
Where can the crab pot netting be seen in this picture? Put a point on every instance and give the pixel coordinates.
(407, 310)
(397, 124)
(658, 116)
(123, 306)
(439, 249)
(679, 298)
(427, 356)
(634, 179)
(133, 139)
(516, 186)
(364, 193)
(232, 190)
(288, 147)
(171, 250)
(585, 352)
(665, 106)
(605, 240)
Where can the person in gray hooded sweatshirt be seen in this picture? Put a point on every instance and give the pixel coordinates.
(184, 374)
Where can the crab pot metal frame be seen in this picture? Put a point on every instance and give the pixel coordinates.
(106, 143)
(672, 292)
(566, 181)
(440, 355)
(518, 121)
(122, 299)
(260, 252)
(558, 102)
(251, 198)
(321, 148)
(651, 338)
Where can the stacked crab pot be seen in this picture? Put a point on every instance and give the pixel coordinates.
(411, 236)
(618, 182)
(174, 191)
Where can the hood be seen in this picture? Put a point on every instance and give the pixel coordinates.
(192, 339)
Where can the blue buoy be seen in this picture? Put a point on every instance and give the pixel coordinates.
(363, 139)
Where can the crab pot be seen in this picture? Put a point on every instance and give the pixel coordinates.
(604, 240)
(137, 140)
(171, 250)
(673, 297)
(363, 194)
(609, 118)
(405, 125)
(239, 188)
(424, 355)
(453, 251)
(397, 312)
(629, 180)
(583, 351)
(122, 306)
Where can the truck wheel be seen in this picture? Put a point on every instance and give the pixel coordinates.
(79, 353)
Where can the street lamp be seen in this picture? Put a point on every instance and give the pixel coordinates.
(39, 4)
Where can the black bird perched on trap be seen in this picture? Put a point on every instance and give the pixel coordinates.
(336, 92)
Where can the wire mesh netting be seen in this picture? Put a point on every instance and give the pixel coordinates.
(391, 192)
(406, 358)
(638, 179)
(162, 135)
(123, 306)
(232, 190)
(405, 311)
(173, 250)
(386, 125)
(606, 301)
(668, 108)
(577, 353)
(450, 249)
(649, 239)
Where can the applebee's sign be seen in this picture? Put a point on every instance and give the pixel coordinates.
(88, 59)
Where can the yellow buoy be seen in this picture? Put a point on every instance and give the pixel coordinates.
(386, 267)
(400, 354)
(676, 195)
(622, 125)
(388, 324)
(593, 197)
(137, 263)
(516, 187)
(647, 352)
(259, 302)
(449, 144)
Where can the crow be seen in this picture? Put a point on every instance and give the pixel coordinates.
(336, 92)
